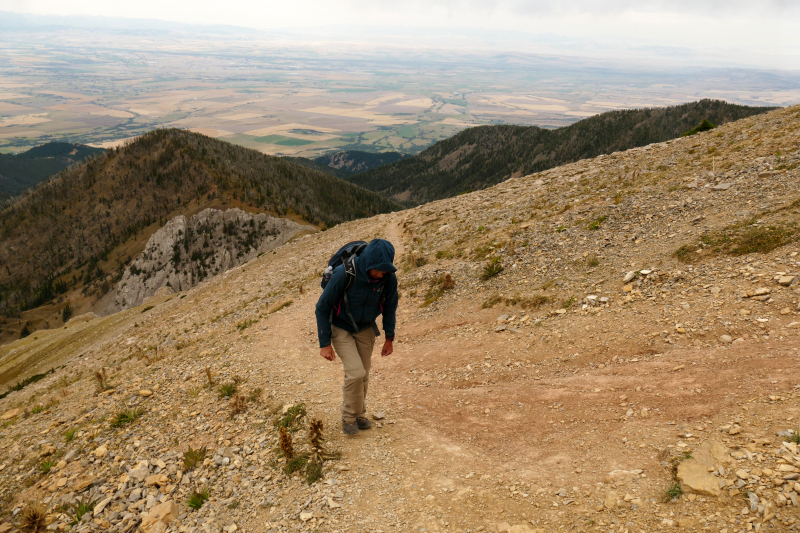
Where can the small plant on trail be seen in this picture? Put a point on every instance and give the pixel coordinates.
(46, 465)
(492, 301)
(291, 420)
(492, 268)
(285, 441)
(70, 434)
(569, 302)
(192, 457)
(794, 437)
(197, 498)
(238, 404)
(209, 377)
(675, 491)
(592, 261)
(440, 285)
(595, 224)
(255, 395)
(294, 464)
(84, 505)
(226, 390)
(101, 378)
(126, 417)
(33, 517)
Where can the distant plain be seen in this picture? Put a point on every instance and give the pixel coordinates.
(289, 98)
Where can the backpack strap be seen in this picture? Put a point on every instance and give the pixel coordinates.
(350, 274)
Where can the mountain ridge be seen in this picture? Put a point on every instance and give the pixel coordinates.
(78, 230)
(483, 156)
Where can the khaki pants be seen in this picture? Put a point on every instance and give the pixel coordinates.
(355, 351)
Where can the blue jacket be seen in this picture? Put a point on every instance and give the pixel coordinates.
(364, 295)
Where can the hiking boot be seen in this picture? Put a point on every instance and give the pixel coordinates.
(349, 428)
(363, 423)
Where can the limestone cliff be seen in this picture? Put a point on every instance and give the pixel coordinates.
(187, 251)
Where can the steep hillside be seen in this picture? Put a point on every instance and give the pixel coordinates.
(80, 229)
(483, 156)
(20, 171)
(607, 346)
(187, 251)
(354, 161)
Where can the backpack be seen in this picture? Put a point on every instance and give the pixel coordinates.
(346, 255)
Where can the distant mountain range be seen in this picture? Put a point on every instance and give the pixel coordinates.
(79, 230)
(20, 171)
(480, 157)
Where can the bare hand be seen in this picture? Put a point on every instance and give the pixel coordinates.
(387, 348)
(328, 353)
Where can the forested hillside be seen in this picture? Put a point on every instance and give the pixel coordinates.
(20, 171)
(80, 228)
(483, 156)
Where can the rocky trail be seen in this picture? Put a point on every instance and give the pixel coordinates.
(618, 351)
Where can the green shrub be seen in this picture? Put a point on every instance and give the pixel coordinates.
(492, 268)
(197, 498)
(192, 457)
(226, 390)
(292, 416)
(126, 417)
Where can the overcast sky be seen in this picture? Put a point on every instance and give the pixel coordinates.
(756, 33)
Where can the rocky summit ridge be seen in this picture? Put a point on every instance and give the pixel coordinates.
(611, 345)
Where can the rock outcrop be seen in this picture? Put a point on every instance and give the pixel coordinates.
(187, 251)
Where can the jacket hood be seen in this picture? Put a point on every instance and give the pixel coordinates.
(378, 255)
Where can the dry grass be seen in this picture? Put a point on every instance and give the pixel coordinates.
(238, 404)
(33, 517)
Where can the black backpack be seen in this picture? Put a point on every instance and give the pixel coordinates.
(346, 255)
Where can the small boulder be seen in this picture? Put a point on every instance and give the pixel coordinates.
(163, 513)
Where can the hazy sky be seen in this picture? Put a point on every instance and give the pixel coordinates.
(748, 33)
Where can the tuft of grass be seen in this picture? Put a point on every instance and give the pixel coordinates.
(70, 434)
(192, 457)
(33, 517)
(492, 301)
(596, 223)
(739, 239)
(313, 472)
(292, 417)
(569, 302)
(46, 465)
(592, 261)
(197, 498)
(244, 324)
(126, 417)
(794, 438)
(492, 268)
(83, 506)
(226, 390)
(283, 305)
(294, 464)
(255, 395)
(439, 286)
(234, 504)
(675, 491)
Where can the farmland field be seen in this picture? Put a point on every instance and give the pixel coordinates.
(303, 99)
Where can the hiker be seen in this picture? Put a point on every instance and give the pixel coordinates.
(359, 284)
